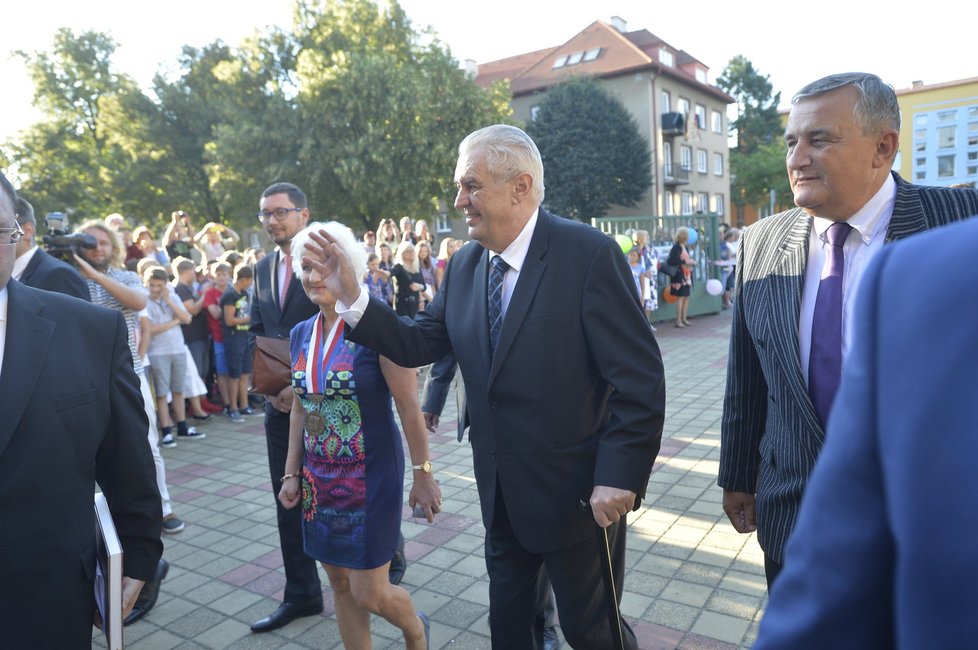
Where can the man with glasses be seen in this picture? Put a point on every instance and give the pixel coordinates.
(36, 268)
(61, 440)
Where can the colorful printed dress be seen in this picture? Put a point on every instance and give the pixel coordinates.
(353, 473)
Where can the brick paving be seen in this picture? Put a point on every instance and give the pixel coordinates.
(692, 581)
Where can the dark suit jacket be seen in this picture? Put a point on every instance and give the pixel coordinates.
(573, 397)
(71, 414)
(884, 554)
(51, 274)
(267, 318)
(771, 434)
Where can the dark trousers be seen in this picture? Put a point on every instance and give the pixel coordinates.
(301, 572)
(771, 571)
(515, 577)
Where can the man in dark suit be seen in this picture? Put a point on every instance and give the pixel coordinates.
(797, 274)
(280, 303)
(35, 268)
(565, 390)
(59, 437)
(884, 553)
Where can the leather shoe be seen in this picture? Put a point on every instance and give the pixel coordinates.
(286, 613)
(550, 639)
(149, 593)
(398, 563)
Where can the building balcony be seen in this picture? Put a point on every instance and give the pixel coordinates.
(675, 173)
(673, 124)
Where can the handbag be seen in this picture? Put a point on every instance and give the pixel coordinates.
(668, 269)
(271, 365)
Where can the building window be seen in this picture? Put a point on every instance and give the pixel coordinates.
(442, 223)
(921, 176)
(718, 204)
(718, 164)
(945, 166)
(920, 134)
(701, 161)
(668, 205)
(701, 75)
(920, 146)
(686, 158)
(592, 54)
(946, 116)
(972, 112)
(684, 106)
(666, 57)
(667, 157)
(666, 102)
(700, 116)
(945, 137)
(920, 120)
(560, 62)
(972, 170)
(702, 202)
(717, 122)
(575, 58)
(687, 206)
(921, 162)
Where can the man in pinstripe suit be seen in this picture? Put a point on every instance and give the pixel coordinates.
(842, 136)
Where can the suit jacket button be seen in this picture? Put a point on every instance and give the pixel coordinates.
(494, 406)
(492, 453)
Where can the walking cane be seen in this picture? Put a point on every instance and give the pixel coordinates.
(608, 577)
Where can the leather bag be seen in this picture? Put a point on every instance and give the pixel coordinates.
(271, 366)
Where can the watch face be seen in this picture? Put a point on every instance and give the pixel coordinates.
(426, 466)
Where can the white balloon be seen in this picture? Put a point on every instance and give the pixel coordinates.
(714, 287)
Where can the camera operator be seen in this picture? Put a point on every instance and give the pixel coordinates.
(35, 268)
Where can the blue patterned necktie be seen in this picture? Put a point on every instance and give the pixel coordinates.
(499, 268)
(825, 361)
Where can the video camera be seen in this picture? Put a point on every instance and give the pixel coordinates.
(58, 243)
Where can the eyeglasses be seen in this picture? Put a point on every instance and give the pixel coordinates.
(11, 235)
(278, 213)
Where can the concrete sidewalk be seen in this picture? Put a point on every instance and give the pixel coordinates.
(692, 581)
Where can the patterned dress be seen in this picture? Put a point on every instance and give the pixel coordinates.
(353, 473)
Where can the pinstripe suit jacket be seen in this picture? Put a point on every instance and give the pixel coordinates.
(771, 434)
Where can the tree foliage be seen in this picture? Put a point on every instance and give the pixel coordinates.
(757, 163)
(593, 153)
(354, 104)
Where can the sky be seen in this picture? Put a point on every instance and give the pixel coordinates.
(793, 43)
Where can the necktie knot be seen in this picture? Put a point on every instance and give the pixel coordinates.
(499, 265)
(837, 233)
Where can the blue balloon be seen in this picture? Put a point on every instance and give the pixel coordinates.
(693, 236)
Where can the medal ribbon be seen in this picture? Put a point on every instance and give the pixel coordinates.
(321, 353)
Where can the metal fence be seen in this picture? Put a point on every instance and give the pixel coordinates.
(705, 251)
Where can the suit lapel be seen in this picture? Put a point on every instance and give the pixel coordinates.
(481, 296)
(523, 293)
(25, 350)
(31, 267)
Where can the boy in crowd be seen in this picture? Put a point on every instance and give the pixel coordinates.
(236, 310)
(221, 275)
(167, 356)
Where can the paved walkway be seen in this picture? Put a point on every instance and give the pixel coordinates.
(692, 581)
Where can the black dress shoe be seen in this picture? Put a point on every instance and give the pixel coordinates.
(550, 639)
(149, 593)
(286, 613)
(398, 563)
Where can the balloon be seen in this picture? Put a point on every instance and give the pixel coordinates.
(625, 242)
(693, 236)
(667, 295)
(714, 287)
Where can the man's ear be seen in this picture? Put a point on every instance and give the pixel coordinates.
(886, 148)
(522, 185)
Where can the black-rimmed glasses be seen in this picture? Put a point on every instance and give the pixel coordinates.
(278, 213)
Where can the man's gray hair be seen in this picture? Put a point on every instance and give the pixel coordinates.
(509, 151)
(875, 111)
(344, 237)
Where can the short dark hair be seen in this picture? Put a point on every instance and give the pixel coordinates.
(25, 212)
(296, 196)
(8, 190)
(155, 273)
(243, 271)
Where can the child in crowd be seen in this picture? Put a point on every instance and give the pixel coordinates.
(196, 334)
(167, 354)
(377, 280)
(221, 274)
(236, 310)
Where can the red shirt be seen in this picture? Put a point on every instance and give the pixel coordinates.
(213, 297)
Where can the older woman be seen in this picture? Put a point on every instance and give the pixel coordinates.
(408, 281)
(346, 464)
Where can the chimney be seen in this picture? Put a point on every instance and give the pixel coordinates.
(917, 83)
(471, 68)
(619, 23)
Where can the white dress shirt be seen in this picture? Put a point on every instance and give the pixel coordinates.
(869, 226)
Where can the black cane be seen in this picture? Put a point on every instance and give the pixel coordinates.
(610, 595)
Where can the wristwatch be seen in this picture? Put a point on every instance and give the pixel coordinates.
(424, 467)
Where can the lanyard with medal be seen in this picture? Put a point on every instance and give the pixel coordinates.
(317, 362)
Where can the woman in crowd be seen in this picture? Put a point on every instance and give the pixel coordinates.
(427, 268)
(178, 238)
(445, 250)
(650, 260)
(213, 240)
(421, 232)
(387, 233)
(345, 464)
(681, 283)
(408, 281)
(143, 238)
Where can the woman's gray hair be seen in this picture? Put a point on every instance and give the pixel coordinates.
(875, 111)
(509, 151)
(343, 236)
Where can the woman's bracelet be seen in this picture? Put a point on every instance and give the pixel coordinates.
(288, 476)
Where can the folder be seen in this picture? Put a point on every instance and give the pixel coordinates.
(108, 574)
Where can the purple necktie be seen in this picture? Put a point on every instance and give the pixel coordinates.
(825, 361)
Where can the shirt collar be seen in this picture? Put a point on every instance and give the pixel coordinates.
(515, 253)
(3, 305)
(20, 264)
(871, 218)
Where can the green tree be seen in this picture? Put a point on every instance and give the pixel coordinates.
(593, 153)
(757, 162)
